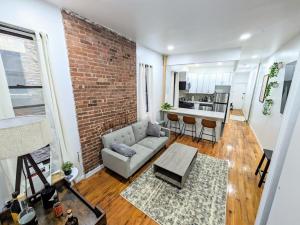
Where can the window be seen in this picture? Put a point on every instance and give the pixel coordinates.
(20, 61)
(20, 68)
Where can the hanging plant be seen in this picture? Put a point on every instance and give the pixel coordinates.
(267, 107)
(274, 69)
(273, 73)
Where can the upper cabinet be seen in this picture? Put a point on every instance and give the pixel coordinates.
(205, 82)
(182, 76)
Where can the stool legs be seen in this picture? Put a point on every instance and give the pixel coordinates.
(194, 130)
(213, 135)
(195, 136)
(176, 126)
(201, 133)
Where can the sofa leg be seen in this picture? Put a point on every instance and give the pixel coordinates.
(130, 179)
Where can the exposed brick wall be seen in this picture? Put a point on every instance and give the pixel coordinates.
(103, 71)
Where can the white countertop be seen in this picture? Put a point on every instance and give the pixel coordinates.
(218, 116)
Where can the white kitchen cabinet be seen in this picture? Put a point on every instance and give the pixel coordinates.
(212, 83)
(182, 76)
(200, 81)
(205, 82)
(193, 82)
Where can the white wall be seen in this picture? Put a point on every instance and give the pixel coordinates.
(40, 16)
(287, 130)
(267, 128)
(250, 92)
(285, 208)
(147, 56)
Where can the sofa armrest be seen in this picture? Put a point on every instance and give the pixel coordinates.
(167, 131)
(116, 162)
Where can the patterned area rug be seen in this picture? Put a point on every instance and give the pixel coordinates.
(202, 200)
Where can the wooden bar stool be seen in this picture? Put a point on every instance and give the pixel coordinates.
(173, 122)
(267, 155)
(211, 125)
(188, 120)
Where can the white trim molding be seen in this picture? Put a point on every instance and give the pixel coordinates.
(93, 171)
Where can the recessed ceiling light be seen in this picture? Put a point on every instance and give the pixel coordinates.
(220, 63)
(245, 36)
(254, 56)
(170, 47)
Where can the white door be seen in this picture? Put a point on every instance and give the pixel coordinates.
(238, 93)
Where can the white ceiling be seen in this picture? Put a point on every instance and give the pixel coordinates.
(196, 25)
(227, 66)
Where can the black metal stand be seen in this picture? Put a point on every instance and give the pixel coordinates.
(27, 159)
(267, 155)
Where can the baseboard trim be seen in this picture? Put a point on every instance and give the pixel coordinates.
(93, 171)
(257, 140)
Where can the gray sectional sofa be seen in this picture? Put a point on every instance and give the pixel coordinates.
(136, 137)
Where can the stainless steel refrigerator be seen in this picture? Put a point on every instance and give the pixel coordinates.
(221, 99)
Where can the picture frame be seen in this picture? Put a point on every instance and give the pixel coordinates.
(263, 88)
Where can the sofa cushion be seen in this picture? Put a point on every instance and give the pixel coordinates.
(122, 136)
(153, 130)
(143, 154)
(154, 143)
(139, 130)
(123, 149)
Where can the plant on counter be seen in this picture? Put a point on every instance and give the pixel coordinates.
(166, 106)
(67, 167)
(273, 73)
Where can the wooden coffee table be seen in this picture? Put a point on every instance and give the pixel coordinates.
(175, 164)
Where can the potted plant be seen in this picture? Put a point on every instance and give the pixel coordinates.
(67, 167)
(166, 106)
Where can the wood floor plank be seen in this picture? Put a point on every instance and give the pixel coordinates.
(238, 145)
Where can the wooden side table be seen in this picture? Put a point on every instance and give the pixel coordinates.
(71, 178)
(70, 199)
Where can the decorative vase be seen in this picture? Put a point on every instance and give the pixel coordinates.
(67, 172)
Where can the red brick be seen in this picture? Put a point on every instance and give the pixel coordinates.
(103, 72)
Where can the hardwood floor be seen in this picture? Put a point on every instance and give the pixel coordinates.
(237, 112)
(238, 145)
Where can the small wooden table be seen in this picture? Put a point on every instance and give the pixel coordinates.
(70, 199)
(175, 164)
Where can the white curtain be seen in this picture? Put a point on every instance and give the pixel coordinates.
(145, 89)
(59, 150)
(174, 89)
(176, 96)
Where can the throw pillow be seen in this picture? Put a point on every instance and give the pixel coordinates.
(153, 130)
(123, 149)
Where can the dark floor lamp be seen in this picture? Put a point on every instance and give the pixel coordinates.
(20, 136)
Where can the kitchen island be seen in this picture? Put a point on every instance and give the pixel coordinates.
(199, 115)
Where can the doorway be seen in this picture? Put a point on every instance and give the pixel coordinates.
(238, 93)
